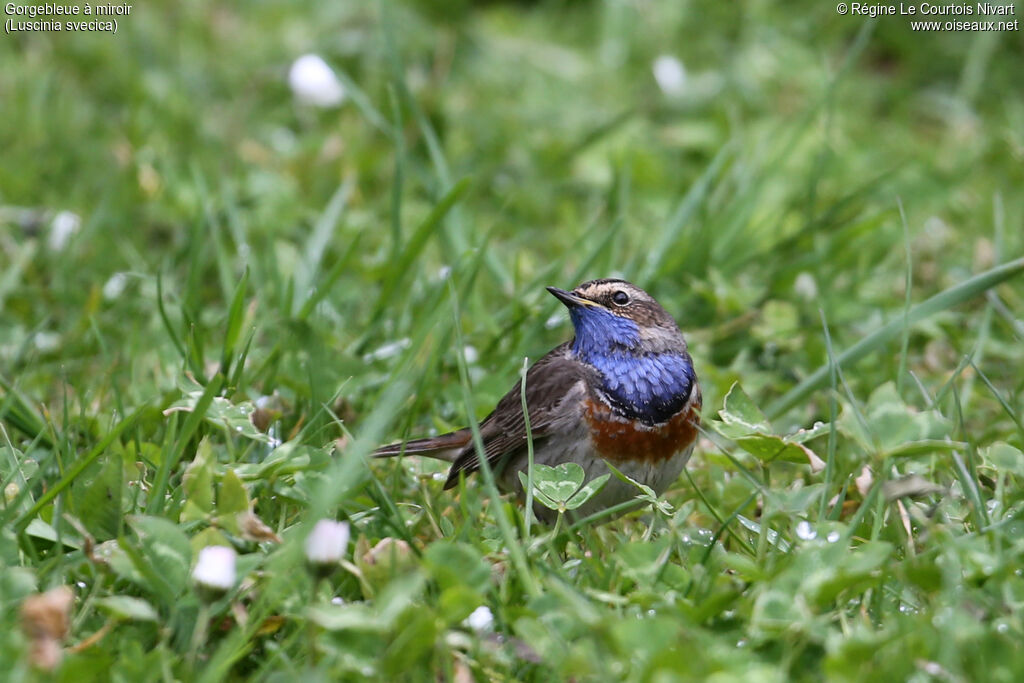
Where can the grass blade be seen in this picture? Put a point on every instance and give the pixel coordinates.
(515, 549)
(76, 469)
(684, 212)
(418, 241)
(947, 299)
(170, 460)
(236, 315)
(315, 246)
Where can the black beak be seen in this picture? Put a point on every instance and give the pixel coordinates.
(569, 299)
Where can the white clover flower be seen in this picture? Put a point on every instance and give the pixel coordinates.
(389, 350)
(63, 226)
(326, 544)
(805, 531)
(313, 82)
(215, 569)
(114, 286)
(670, 74)
(481, 619)
(805, 286)
(46, 342)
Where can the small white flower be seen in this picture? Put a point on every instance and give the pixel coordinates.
(481, 619)
(805, 531)
(114, 287)
(670, 74)
(268, 402)
(327, 543)
(215, 568)
(805, 287)
(389, 350)
(63, 226)
(313, 82)
(46, 341)
(470, 354)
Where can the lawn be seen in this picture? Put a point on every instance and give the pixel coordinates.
(216, 299)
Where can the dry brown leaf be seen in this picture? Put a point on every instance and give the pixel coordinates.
(255, 529)
(45, 618)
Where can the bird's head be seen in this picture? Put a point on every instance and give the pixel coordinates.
(614, 316)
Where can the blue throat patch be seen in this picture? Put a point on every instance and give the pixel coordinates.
(651, 387)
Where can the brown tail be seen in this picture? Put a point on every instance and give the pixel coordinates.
(445, 447)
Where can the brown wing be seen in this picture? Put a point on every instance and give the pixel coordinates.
(548, 382)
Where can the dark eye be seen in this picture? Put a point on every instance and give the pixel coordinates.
(620, 298)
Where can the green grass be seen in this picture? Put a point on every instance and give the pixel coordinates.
(832, 212)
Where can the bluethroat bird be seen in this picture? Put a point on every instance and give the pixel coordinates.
(623, 392)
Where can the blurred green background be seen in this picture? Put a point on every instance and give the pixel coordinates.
(178, 146)
(792, 167)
